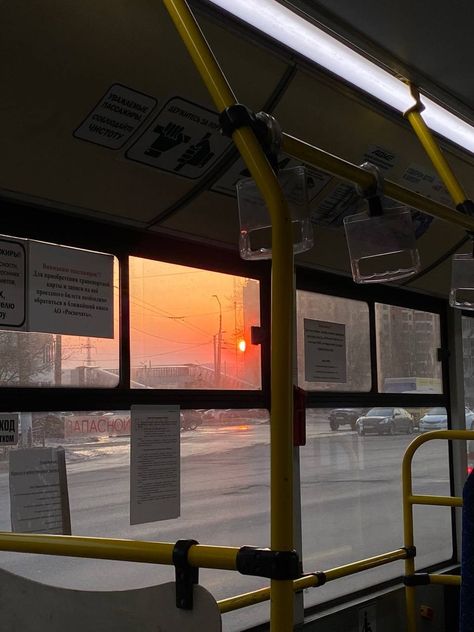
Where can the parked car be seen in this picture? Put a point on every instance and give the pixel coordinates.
(190, 419)
(385, 421)
(437, 419)
(230, 415)
(345, 416)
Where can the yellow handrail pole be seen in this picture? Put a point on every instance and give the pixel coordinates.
(407, 496)
(352, 173)
(434, 153)
(203, 556)
(446, 580)
(282, 290)
(312, 580)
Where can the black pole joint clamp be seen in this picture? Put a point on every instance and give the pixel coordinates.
(373, 193)
(410, 551)
(466, 207)
(419, 579)
(185, 574)
(261, 562)
(264, 126)
(321, 578)
(415, 93)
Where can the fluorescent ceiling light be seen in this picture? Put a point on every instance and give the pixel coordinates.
(308, 40)
(447, 124)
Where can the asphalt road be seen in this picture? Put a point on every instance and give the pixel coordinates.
(350, 488)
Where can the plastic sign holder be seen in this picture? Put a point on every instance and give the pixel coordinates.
(255, 224)
(461, 294)
(382, 247)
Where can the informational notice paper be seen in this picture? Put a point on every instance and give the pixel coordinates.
(39, 500)
(55, 289)
(70, 291)
(154, 464)
(13, 283)
(324, 351)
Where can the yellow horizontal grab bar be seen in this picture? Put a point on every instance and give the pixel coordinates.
(312, 580)
(430, 436)
(220, 557)
(446, 580)
(352, 173)
(442, 501)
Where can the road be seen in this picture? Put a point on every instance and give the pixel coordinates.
(350, 488)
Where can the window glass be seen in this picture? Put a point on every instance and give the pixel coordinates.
(407, 346)
(225, 497)
(190, 328)
(30, 359)
(333, 345)
(468, 366)
(351, 494)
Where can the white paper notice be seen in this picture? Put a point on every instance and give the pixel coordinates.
(70, 291)
(324, 351)
(9, 423)
(12, 284)
(39, 500)
(154, 463)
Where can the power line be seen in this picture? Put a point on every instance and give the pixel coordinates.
(147, 333)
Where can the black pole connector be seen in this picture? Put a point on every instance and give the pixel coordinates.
(185, 574)
(373, 194)
(263, 125)
(267, 563)
(466, 207)
(410, 551)
(321, 577)
(419, 579)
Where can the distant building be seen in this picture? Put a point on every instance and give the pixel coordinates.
(408, 342)
(468, 359)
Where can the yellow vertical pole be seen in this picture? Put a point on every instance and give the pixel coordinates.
(281, 312)
(408, 538)
(426, 138)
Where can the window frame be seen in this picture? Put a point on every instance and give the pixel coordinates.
(343, 287)
(70, 230)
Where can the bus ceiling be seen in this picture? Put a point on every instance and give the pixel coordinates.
(106, 117)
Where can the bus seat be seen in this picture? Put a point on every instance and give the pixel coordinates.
(30, 606)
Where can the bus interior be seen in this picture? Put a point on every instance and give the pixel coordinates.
(245, 228)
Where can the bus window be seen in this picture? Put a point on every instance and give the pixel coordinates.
(407, 347)
(350, 485)
(347, 325)
(190, 328)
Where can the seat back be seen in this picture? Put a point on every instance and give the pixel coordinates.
(30, 606)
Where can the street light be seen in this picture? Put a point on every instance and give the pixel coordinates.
(218, 346)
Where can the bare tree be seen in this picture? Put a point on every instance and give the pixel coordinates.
(25, 358)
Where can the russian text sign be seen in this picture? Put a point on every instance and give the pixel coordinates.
(154, 463)
(12, 284)
(116, 117)
(70, 291)
(39, 501)
(9, 423)
(324, 351)
(184, 139)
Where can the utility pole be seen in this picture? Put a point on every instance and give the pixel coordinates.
(57, 360)
(219, 345)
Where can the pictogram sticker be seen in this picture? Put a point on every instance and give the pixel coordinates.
(184, 139)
